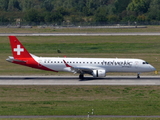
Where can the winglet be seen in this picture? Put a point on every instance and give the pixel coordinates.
(18, 50)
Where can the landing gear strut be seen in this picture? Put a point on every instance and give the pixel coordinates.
(138, 75)
(81, 76)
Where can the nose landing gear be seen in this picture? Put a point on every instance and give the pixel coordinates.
(138, 75)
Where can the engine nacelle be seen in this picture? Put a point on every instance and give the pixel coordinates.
(99, 73)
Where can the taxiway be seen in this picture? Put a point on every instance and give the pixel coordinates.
(83, 34)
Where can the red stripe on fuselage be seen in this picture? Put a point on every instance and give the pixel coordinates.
(30, 62)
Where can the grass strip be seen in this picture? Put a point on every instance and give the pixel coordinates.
(79, 100)
(127, 118)
(78, 30)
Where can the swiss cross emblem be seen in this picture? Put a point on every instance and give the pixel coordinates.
(18, 50)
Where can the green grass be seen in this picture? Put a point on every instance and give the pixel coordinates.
(79, 100)
(78, 30)
(80, 44)
(82, 118)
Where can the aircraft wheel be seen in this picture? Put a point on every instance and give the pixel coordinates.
(138, 75)
(81, 76)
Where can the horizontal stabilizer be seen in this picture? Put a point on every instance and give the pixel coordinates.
(11, 59)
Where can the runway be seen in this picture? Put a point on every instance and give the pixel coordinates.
(83, 34)
(74, 80)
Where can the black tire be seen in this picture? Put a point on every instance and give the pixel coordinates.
(81, 76)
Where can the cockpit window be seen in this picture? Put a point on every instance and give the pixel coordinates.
(145, 63)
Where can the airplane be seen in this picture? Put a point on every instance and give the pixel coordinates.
(97, 67)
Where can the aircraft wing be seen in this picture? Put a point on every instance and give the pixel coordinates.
(81, 69)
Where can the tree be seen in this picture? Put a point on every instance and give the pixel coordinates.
(141, 18)
(139, 6)
(54, 16)
(112, 18)
(121, 5)
(62, 11)
(26, 5)
(154, 10)
(3, 19)
(13, 5)
(110, 9)
(30, 4)
(47, 4)
(33, 15)
(101, 15)
(4, 5)
(76, 19)
(128, 16)
(87, 12)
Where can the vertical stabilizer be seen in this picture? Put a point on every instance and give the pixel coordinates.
(18, 50)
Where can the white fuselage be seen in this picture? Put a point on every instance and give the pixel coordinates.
(107, 64)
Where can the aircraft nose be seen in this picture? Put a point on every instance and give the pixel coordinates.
(152, 68)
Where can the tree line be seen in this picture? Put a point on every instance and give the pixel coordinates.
(79, 11)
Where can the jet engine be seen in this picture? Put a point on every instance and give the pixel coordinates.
(99, 73)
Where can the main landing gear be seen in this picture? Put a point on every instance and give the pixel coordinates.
(138, 75)
(81, 76)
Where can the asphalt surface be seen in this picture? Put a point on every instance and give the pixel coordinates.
(82, 34)
(74, 80)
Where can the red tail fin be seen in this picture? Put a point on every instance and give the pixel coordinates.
(18, 50)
